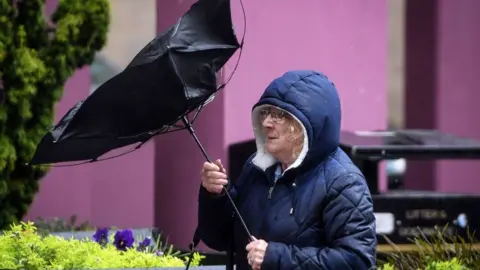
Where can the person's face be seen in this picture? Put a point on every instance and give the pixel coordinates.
(276, 127)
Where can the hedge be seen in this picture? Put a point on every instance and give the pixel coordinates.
(37, 56)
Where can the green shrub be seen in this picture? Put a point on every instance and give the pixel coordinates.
(22, 247)
(36, 59)
(436, 252)
(447, 265)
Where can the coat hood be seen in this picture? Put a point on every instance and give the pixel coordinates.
(312, 99)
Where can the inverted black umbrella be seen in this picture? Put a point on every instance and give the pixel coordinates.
(170, 78)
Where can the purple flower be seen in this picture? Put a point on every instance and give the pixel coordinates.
(101, 236)
(144, 244)
(159, 253)
(123, 239)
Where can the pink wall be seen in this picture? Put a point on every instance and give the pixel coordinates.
(346, 40)
(66, 191)
(112, 192)
(443, 67)
(457, 83)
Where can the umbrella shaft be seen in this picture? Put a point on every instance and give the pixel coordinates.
(188, 125)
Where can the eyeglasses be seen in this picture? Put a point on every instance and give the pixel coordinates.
(276, 114)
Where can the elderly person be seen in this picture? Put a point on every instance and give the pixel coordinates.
(305, 203)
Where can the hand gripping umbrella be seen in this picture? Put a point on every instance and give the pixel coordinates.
(170, 78)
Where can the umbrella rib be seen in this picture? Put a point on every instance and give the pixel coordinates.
(102, 159)
(196, 114)
(122, 154)
(202, 48)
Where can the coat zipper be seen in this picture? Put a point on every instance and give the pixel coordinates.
(270, 191)
(269, 197)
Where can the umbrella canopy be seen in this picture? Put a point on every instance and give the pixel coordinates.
(170, 77)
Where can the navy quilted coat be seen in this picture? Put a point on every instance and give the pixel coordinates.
(319, 214)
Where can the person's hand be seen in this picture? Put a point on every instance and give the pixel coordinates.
(214, 176)
(256, 252)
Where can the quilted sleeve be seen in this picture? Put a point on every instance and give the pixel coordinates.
(214, 219)
(215, 213)
(350, 227)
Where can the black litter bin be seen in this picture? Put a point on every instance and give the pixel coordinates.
(401, 215)
(369, 148)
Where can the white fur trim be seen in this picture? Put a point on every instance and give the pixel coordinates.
(262, 158)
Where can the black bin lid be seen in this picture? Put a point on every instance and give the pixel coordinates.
(408, 143)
